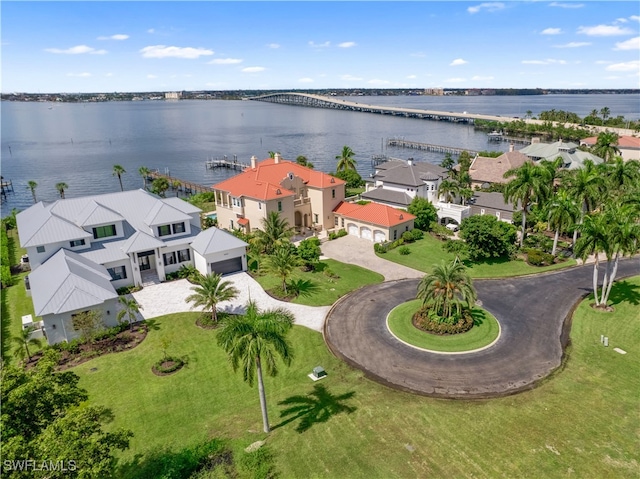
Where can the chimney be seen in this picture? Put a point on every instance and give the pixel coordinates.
(410, 161)
(511, 147)
(254, 159)
(276, 158)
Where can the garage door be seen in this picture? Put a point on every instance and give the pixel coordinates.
(379, 236)
(366, 233)
(353, 230)
(227, 266)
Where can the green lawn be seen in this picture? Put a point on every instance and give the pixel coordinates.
(428, 251)
(482, 334)
(582, 422)
(328, 290)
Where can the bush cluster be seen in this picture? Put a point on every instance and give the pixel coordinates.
(535, 257)
(128, 290)
(404, 250)
(5, 264)
(339, 234)
(407, 237)
(426, 319)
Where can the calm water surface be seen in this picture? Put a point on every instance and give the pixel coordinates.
(79, 143)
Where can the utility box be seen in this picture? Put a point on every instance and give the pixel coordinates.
(319, 372)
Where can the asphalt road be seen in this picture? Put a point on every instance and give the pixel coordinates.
(533, 311)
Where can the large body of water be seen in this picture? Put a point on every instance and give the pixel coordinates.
(79, 143)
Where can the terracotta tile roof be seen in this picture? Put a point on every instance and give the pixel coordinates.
(492, 170)
(623, 141)
(373, 213)
(263, 182)
(243, 221)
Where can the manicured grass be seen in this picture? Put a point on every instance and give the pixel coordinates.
(328, 290)
(482, 334)
(582, 422)
(428, 251)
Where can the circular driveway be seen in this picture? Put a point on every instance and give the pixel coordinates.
(532, 312)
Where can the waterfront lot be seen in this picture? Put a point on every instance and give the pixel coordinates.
(582, 422)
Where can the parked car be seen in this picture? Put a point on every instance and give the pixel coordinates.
(453, 227)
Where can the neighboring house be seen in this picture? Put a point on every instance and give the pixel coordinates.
(486, 171)
(491, 204)
(572, 158)
(396, 182)
(629, 146)
(373, 221)
(304, 197)
(105, 242)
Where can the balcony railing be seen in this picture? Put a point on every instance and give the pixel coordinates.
(301, 201)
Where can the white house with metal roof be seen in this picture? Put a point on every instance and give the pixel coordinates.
(120, 239)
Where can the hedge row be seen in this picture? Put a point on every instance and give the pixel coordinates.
(5, 268)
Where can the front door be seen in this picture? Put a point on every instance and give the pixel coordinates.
(146, 260)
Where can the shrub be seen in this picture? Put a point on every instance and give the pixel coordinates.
(363, 202)
(381, 247)
(457, 247)
(417, 234)
(407, 237)
(424, 211)
(440, 232)
(404, 250)
(426, 319)
(486, 237)
(128, 289)
(535, 257)
(342, 233)
(329, 273)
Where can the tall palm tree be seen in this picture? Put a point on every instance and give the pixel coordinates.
(257, 338)
(447, 288)
(585, 185)
(282, 262)
(119, 171)
(593, 240)
(61, 187)
(527, 186)
(210, 291)
(605, 112)
(563, 212)
(449, 189)
(606, 146)
(144, 172)
(346, 160)
(130, 308)
(621, 175)
(32, 186)
(23, 340)
(274, 230)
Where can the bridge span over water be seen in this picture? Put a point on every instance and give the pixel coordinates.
(319, 101)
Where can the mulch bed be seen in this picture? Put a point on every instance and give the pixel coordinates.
(422, 322)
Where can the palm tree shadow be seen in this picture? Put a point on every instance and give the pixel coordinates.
(623, 291)
(316, 407)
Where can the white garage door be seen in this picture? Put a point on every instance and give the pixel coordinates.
(366, 233)
(353, 230)
(379, 236)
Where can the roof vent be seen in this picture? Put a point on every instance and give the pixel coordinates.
(333, 180)
(278, 192)
(401, 216)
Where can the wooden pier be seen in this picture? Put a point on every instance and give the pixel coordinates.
(188, 187)
(5, 185)
(400, 143)
(226, 163)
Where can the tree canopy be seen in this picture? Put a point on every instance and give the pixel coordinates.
(424, 212)
(486, 237)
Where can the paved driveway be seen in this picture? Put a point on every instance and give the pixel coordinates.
(167, 298)
(532, 311)
(358, 251)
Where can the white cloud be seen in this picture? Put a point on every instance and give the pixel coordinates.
(151, 30)
(481, 78)
(488, 6)
(621, 20)
(163, 51)
(635, 18)
(77, 50)
(273, 45)
(631, 44)
(632, 66)
(253, 69)
(573, 45)
(313, 44)
(551, 31)
(305, 80)
(79, 75)
(411, 77)
(350, 78)
(151, 77)
(604, 30)
(548, 61)
(225, 61)
(566, 5)
(347, 44)
(457, 61)
(119, 36)
(455, 80)
(378, 82)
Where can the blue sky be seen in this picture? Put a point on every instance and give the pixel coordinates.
(164, 46)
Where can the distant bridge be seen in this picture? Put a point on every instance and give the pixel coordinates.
(319, 101)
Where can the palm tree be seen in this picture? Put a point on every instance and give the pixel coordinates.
(585, 185)
(448, 189)
(302, 160)
(593, 241)
(255, 338)
(23, 340)
(447, 287)
(130, 308)
(563, 212)
(210, 291)
(61, 187)
(448, 162)
(32, 186)
(159, 186)
(176, 184)
(282, 262)
(527, 186)
(144, 172)
(621, 175)
(606, 146)
(346, 160)
(605, 112)
(119, 171)
(274, 230)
